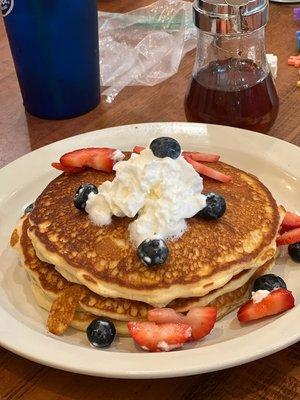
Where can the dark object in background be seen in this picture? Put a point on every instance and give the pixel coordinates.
(55, 49)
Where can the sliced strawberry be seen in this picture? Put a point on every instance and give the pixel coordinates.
(207, 171)
(61, 167)
(196, 156)
(57, 165)
(289, 237)
(201, 319)
(277, 301)
(138, 149)
(164, 337)
(101, 159)
(283, 229)
(291, 220)
(165, 315)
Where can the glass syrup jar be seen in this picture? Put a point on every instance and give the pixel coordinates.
(231, 82)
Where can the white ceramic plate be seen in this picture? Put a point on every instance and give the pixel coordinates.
(22, 322)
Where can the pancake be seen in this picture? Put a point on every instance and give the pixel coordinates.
(52, 283)
(81, 320)
(224, 304)
(48, 285)
(205, 258)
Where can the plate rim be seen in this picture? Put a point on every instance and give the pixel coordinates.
(265, 137)
(159, 360)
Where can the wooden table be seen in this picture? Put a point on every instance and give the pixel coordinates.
(274, 377)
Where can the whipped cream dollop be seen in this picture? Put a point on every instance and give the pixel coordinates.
(160, 192)
(259, 295)
(118, 156)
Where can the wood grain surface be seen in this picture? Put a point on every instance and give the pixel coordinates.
(274, 377)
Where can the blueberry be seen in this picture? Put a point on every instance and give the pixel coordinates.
(215, 207)
(29, 208)
(101, 332)
(268, 282)
(82, 195)
(294, 251)
(153, 252)
(165, 147)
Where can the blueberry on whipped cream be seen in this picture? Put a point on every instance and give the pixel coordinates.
(215, 207)
(165, 147)
(82, 195)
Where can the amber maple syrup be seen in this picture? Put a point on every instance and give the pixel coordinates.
(234, 92)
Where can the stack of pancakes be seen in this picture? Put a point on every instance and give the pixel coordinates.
(79, 271)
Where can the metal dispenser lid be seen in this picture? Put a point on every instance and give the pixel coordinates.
(219, 17)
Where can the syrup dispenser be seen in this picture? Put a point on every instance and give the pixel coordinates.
(231, 82)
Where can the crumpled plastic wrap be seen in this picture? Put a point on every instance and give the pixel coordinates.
(144, 46)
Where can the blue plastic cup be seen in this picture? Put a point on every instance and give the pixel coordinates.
(55, 48)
